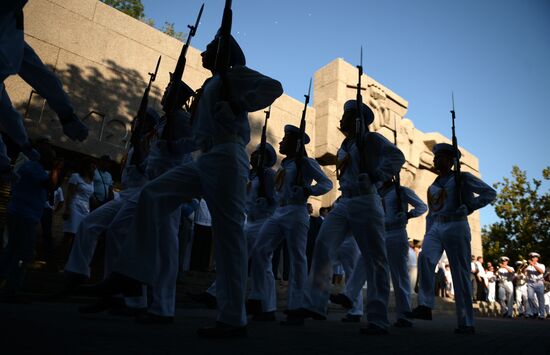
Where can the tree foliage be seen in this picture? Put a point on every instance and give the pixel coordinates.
(132, 8)
(136, 9)
(524, 213)
(169, 29)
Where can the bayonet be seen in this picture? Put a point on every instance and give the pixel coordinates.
(169, 105)
(261, 159)
(458, 179)
(300, 146)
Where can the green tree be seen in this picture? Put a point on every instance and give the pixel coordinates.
(132, 8)
(524, 213)
(169, 29)
(136, 9)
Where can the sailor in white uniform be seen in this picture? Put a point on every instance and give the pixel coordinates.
(535, 285)
(505, 280)
(289, 222)
(447, 229)
(221, 131)
(359, 212)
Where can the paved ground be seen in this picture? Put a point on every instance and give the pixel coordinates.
(57, 328)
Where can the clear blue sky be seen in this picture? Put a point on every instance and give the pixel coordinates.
(494, 55)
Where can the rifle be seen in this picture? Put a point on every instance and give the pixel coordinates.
(261, 159)
(360, 120)
(223, 54)
(169, 105)
(458, 179)
(137, 129)
(300, 146)
(397, 178)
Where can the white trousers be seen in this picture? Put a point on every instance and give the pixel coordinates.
(348, 255)
(397, 247)
(363, 217)
(251, 231)
(453, 238)
(290, 223)
(220, 177)
(521, 300)
(112, 215)
(163, 290)
(506, 297)
(88, 232)
(535, 295)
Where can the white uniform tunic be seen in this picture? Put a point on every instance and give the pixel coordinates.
(505, 279)
(219, 175)
(290, 222)
(448, 231)
(359, 212)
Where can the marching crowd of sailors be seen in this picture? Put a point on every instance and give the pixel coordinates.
(197, 150)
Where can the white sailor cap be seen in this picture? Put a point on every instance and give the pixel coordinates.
(519, 262)
(236, 57)
(534, 255)
(368, 115)
(504, 258)
(445, 147)
(270, 155)
(293, 130)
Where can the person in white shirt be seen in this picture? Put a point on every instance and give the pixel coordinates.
(481, 280)
(103, 183)
(449, 291)
(505, 277)
(491, 285)
(535, 285)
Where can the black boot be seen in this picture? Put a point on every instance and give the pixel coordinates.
(342, 300)
(422, 312)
